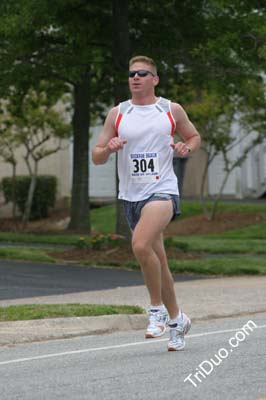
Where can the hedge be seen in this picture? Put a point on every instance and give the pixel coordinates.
(44, 195)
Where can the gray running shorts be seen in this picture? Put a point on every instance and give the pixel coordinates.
(133, 208)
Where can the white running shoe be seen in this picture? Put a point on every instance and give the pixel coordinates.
(158, 322)
(177, 333)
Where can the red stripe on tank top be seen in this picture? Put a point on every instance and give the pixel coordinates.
(172, 123)
(118, 122)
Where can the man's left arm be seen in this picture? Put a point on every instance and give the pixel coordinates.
(186, 130)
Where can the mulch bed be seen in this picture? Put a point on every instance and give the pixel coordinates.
(119, 255)
(223, 221)
(188, 226)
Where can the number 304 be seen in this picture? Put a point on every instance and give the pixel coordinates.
(142, 165)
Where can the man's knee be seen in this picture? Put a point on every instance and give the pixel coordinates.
(140, 247)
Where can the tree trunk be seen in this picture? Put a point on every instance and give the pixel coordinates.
(80, 180)
(202, 188)
(14, 195)
(33, 179)
(120, 58)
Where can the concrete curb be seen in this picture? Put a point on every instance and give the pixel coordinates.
(201, 299)
(18, 332)
(15, 332)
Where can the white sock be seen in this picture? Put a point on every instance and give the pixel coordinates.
(176, 320)
(161, 307)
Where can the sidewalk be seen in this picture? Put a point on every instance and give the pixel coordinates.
(201, 299)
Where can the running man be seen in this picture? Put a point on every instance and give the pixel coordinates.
(142, 130)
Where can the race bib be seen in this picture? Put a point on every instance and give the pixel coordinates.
(144, 167)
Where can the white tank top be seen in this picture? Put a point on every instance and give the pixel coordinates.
(145, 164)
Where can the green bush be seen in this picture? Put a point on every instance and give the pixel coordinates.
(44, 194)
(100, 242)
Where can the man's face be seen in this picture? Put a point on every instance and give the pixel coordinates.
(142, 84)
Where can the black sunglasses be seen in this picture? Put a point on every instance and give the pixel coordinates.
(139, 72)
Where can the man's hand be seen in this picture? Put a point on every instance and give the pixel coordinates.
(116, 144)
(181, 148)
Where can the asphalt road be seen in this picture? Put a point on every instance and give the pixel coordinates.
(125, 366)
(21, 280)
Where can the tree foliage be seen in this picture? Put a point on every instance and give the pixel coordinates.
(60, 42)
(32, 122)
(214, 46)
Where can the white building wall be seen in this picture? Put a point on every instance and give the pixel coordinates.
(216, 176)
(254, 169)
(217, 173)
(247, 180)
(102, 177)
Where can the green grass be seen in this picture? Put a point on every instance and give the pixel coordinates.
(250, 240)
(25, 254)
(257, 231)
(222, 246)
(229, 266)
(63, 239)
(220, 266)
(101, 263)
(41, 311)
(192, 207)
(103, 219)
(224, 265)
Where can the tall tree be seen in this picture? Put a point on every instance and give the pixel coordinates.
(121, 51)
(208, 43)
(62, 42)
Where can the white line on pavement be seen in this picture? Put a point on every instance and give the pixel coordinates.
(118, 346)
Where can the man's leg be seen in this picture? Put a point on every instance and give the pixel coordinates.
(155, 216)
(147, 244)
(179, 323)
(167, 290)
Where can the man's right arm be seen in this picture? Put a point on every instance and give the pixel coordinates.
(108, 142)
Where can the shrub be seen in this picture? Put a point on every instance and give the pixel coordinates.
(44, 194)
(100, 241)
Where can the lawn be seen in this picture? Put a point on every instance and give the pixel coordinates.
(221, 246)
(218, 253)
(41, 311)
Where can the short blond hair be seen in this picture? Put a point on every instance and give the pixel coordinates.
(143, 59)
